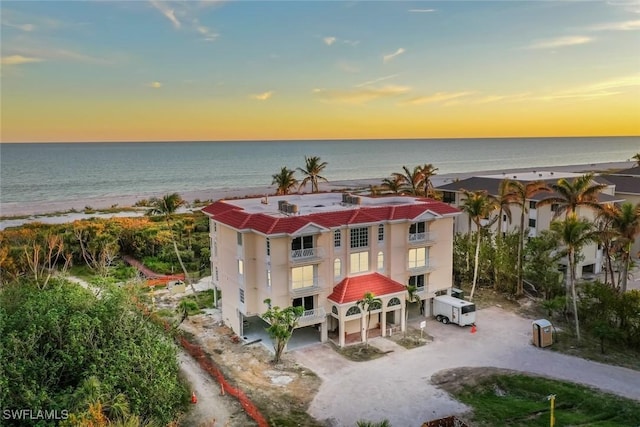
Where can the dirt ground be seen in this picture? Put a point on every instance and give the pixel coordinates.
(284, 390)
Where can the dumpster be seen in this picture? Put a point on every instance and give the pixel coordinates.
(542, 333)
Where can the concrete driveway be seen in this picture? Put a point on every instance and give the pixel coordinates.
(397, 387)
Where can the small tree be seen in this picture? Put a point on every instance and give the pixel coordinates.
(412, 296)
(282, 322)
(367, 303)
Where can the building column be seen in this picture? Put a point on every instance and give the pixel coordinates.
(383, 323)
(324, 331)
(341, 332)
(403, 317)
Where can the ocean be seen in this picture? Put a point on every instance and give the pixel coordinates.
(41, 173)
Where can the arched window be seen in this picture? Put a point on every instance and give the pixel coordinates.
(353, 310)
(393, 301)
(334, 310)
(337, 268)
(376, 305)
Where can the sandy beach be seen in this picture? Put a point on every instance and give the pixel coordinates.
(41, 211)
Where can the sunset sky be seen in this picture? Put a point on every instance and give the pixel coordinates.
(216, 70)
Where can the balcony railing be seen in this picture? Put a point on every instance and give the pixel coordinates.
(298, 289)
(428, 266)
(421, 237)
(297, 255)
(313, 316)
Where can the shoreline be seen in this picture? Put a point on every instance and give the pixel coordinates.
(63, 210)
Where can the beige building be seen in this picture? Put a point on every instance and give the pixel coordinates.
(627, 187)
(537, 218)
(324, 252)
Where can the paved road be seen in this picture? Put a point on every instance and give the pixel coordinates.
(397, 387)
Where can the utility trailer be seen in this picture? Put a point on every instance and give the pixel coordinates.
(448, 309)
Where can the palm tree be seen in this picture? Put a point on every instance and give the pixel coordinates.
(393, 184)
(580, 191)
(478, 205)
(413, 180)
(636, 157)
(412, 296)
(504, 199)
(368, 302)
(285, 181)
(607, 236)
(167, 206)
(574, 233)
(626, 222)
(312, 171)
(428, 171)
(519, 194)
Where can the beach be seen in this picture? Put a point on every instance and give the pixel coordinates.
(71, 210)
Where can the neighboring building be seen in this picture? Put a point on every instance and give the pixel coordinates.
(324, 252)
(537, 218)
(627, 187)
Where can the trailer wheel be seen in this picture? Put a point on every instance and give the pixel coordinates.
(445, 320)
(439, 318)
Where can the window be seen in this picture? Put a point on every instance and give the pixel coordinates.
(417, 281)
(303, 242)
(337, 238)
(217, 277)
(268, 278)
(417, 257)
(353, 310)
(360, 237)
(554, 207)
(532, 223)
(448, 197)
(242, 296)
(532, 204)
(337, 268)
(468, 309)
(240, 267)
(215, 248)
(334, 310)
(215, 227)
(239, 237)
(359, 262)
(393, 301)
(268, 247)
(380, 232)
(305, 302)
(380, 261)
(303, 277)
(418, 227)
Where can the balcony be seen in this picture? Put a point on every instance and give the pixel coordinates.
(305, 255)
(429, 237)
(424, 268)
(297, 290)
(311, 317)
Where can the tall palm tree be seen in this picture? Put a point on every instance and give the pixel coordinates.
(412, 296)
(636, 157)
(504, 199)
(428, 171)
(413, 180)
(285, 180)
(519, 194)
(167, 206)
(478, 205)
(607, 236)
(368, 303)
(574, 233)
(313, 169)
(626, 222)
(569, 195)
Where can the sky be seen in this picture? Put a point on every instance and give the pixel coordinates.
(289, 70)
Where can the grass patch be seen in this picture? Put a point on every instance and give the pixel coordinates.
(520, 400)
(359, 352)
(205, 298)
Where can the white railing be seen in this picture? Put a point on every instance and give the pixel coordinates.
(421, 237)
(302, 254)
(428, 266)
(309, 317)
(298, 288)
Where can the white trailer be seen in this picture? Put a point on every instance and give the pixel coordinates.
(448, 309)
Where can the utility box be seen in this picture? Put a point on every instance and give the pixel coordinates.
(456, 293)
(542, 333)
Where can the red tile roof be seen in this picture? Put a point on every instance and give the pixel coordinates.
(236, 217)
(352, 289)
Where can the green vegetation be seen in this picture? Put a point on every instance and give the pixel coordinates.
(100, 359)
(519, 400)
(282, 322)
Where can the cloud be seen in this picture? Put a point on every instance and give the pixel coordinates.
(206, 32)
(616, 26)
(263, 96)
(438, 97)
(560, 42)
(155, 85)
(360, 95)
(600, 89)
(348, 68)
(329, 40)
(18, 59)
(387, 58)
(487, 99)
(24, 27)
(379, 79)
(169, 13)
(421, 10)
